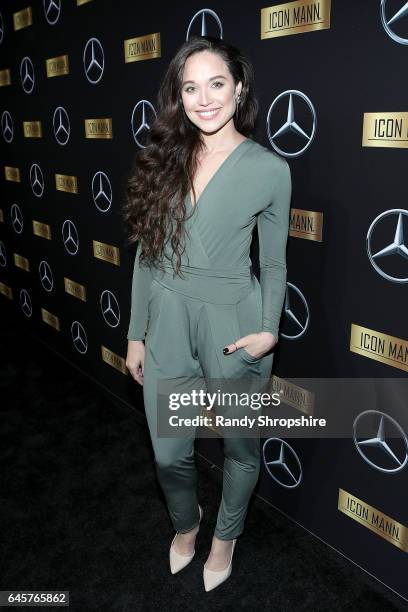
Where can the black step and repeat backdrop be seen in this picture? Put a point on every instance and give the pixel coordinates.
(78, 84)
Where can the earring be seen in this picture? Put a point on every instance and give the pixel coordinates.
(237, 100)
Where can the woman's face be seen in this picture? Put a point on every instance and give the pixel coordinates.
(208, 91)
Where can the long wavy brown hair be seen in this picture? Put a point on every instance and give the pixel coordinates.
(162, 172)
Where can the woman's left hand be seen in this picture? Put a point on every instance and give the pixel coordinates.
(257, 344)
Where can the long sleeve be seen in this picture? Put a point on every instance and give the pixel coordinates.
(273, 227)
(141, 282)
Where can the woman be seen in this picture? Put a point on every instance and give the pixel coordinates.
(194, 195)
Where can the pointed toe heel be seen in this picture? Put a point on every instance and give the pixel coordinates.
(177, 561)
(213, 578)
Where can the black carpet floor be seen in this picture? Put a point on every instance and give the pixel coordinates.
(82, 510)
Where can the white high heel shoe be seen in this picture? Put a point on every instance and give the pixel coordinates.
(213, 578)
(178, 561)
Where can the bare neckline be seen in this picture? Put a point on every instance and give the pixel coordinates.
(220, 167)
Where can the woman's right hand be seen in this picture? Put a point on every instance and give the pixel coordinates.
(135, 359)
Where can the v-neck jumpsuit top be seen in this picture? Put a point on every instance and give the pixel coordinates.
(252, 185)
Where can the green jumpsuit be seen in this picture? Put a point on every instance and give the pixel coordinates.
(186, 322)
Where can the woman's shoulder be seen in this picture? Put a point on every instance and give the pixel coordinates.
(266, 159)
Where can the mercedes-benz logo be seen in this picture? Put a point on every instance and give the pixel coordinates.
(25, 303)
(36, 180)
(52, 10)
(27, 76)
(395, 246)
(289, 128)
(294, 301)
(387, 449)
(70, 237)
(282, 463)
(93, 60)
(7, 128)
(79, 338)
(110, 308)
(46, 276)
(16, 218)
(1, 28)
(3, 254)
(102, 191)
(60, 122)
(393, 20)
(142, 115)
(203, 18)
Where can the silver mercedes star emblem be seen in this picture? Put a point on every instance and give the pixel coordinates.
(110, 308)
(291, 129)
(143, 114)
(52, 10)
(102, 191)
(70, 237)
(16, 218)
(93, 60)
(395, 252)
(79, 338)
(36, 180)
(7, 128)
(61, 125)
(297, 314)
(1, 28)
(208, 23)
(282, 462)
(27, 76)
(3, 255)
(393, 21)
(25, 303)
(387, 449)
(46, 277)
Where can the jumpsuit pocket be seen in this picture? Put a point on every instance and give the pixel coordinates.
(249, 320)
(247, 356)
